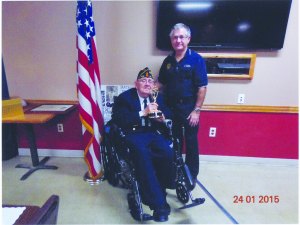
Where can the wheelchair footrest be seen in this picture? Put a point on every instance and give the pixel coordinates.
(195, 202)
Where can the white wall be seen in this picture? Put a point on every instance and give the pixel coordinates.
(39, 51)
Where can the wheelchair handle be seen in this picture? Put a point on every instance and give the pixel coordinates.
(168, 123)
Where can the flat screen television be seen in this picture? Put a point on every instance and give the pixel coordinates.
(225, 24)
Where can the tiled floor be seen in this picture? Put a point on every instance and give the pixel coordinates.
(81, 203)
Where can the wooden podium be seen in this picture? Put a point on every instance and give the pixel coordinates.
(47, 214)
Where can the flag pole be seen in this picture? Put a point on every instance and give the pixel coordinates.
(87, 178)
(89, 91)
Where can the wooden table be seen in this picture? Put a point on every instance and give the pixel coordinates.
(33, 117)
(28, 121)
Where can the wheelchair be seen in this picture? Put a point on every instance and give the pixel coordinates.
(119, 170)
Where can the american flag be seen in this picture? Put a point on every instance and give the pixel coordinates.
(88, 88)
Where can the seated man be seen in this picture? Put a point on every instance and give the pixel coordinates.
(151, 154)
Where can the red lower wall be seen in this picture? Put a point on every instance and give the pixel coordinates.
(267, 135)
(47, 136)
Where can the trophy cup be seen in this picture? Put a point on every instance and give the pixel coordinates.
(156, 113)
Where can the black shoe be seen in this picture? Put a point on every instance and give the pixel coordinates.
(166, 207)
(161, 214)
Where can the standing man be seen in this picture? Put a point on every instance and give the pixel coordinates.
(183, 78)
(151, 154)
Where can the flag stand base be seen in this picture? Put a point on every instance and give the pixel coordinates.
(89, 180)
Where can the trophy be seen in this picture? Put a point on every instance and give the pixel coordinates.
(156, 113)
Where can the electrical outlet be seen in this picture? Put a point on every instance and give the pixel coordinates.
(241, 99)
(212, 132)
(60, 127)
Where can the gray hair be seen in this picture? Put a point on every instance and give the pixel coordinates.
(179, 26)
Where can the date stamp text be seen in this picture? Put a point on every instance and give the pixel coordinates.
(261, 199)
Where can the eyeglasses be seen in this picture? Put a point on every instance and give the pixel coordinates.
(181, 37)
(144, 81)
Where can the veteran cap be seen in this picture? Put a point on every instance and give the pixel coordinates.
(145, 73)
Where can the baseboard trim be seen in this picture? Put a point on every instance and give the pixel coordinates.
(248, 160)
(53, 152)
(203, 158)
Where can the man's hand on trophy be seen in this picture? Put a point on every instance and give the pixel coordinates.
(151, 107)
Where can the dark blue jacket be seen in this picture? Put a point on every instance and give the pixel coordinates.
(125, 112)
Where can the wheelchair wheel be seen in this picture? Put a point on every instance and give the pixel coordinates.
(134, 207)
(182, 193)
(110, 165)
(126, 174)
(104, 159)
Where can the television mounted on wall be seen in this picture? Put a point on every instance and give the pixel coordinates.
(225, 24)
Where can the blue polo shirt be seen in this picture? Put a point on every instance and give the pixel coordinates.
(182, 79)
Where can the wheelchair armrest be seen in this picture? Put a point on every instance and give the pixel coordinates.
(112, 129)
